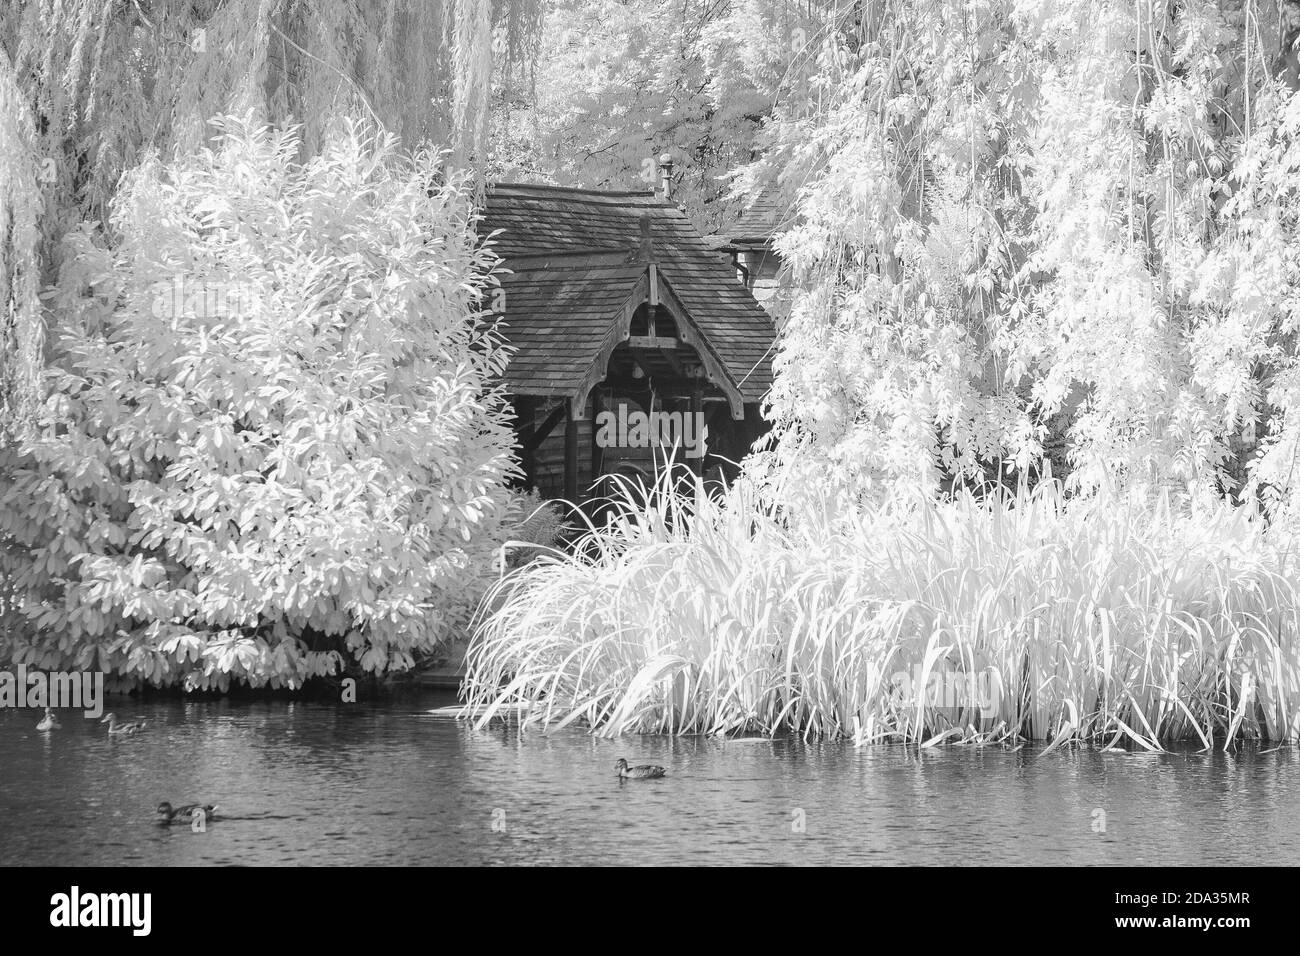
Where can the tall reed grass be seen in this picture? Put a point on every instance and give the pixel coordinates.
(1119, 619)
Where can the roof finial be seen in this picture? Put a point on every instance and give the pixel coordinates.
(666, 177)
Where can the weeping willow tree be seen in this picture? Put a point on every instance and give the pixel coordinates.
(87, 88)
(1024, 221)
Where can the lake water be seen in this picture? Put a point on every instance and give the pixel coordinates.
(388, 784)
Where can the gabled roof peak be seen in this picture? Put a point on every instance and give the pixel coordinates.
(575, 257)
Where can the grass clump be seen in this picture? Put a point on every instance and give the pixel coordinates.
(1114, 618)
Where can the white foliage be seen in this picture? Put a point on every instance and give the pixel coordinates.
(271, 439)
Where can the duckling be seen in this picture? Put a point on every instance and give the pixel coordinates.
(130, 727)
(644, 772)
(168, 814)
(49, 721)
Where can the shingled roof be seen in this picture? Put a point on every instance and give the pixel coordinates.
(762, 217)
(577, 258)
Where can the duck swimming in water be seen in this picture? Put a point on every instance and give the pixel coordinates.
(130, 727)
(643, 772)
(49, 721)
(168, 814)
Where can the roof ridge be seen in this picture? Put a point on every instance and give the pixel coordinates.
(564, 274)
(578, 251)
(594, 194)
(573, 259)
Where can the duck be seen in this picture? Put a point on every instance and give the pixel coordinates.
(130, 727)
(168, 814)
(643, 772)
(49, 721)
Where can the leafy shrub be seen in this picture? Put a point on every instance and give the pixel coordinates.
(268, 442)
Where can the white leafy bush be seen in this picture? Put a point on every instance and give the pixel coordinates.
(269, 441)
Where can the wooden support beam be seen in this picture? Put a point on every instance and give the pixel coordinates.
(524, 414)
(571, 458)
(651, 342)
(665, 384)
(674, 362)
(548, 424)
(697, 415)
(597, 453)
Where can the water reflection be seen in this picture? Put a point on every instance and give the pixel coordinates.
(386, 784)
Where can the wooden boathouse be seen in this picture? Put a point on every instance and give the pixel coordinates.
(615, 303)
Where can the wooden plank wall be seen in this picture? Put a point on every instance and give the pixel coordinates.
(731, 439)
(549, 460)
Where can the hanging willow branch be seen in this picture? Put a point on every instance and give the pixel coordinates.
(1018, 225)
(20, 207)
